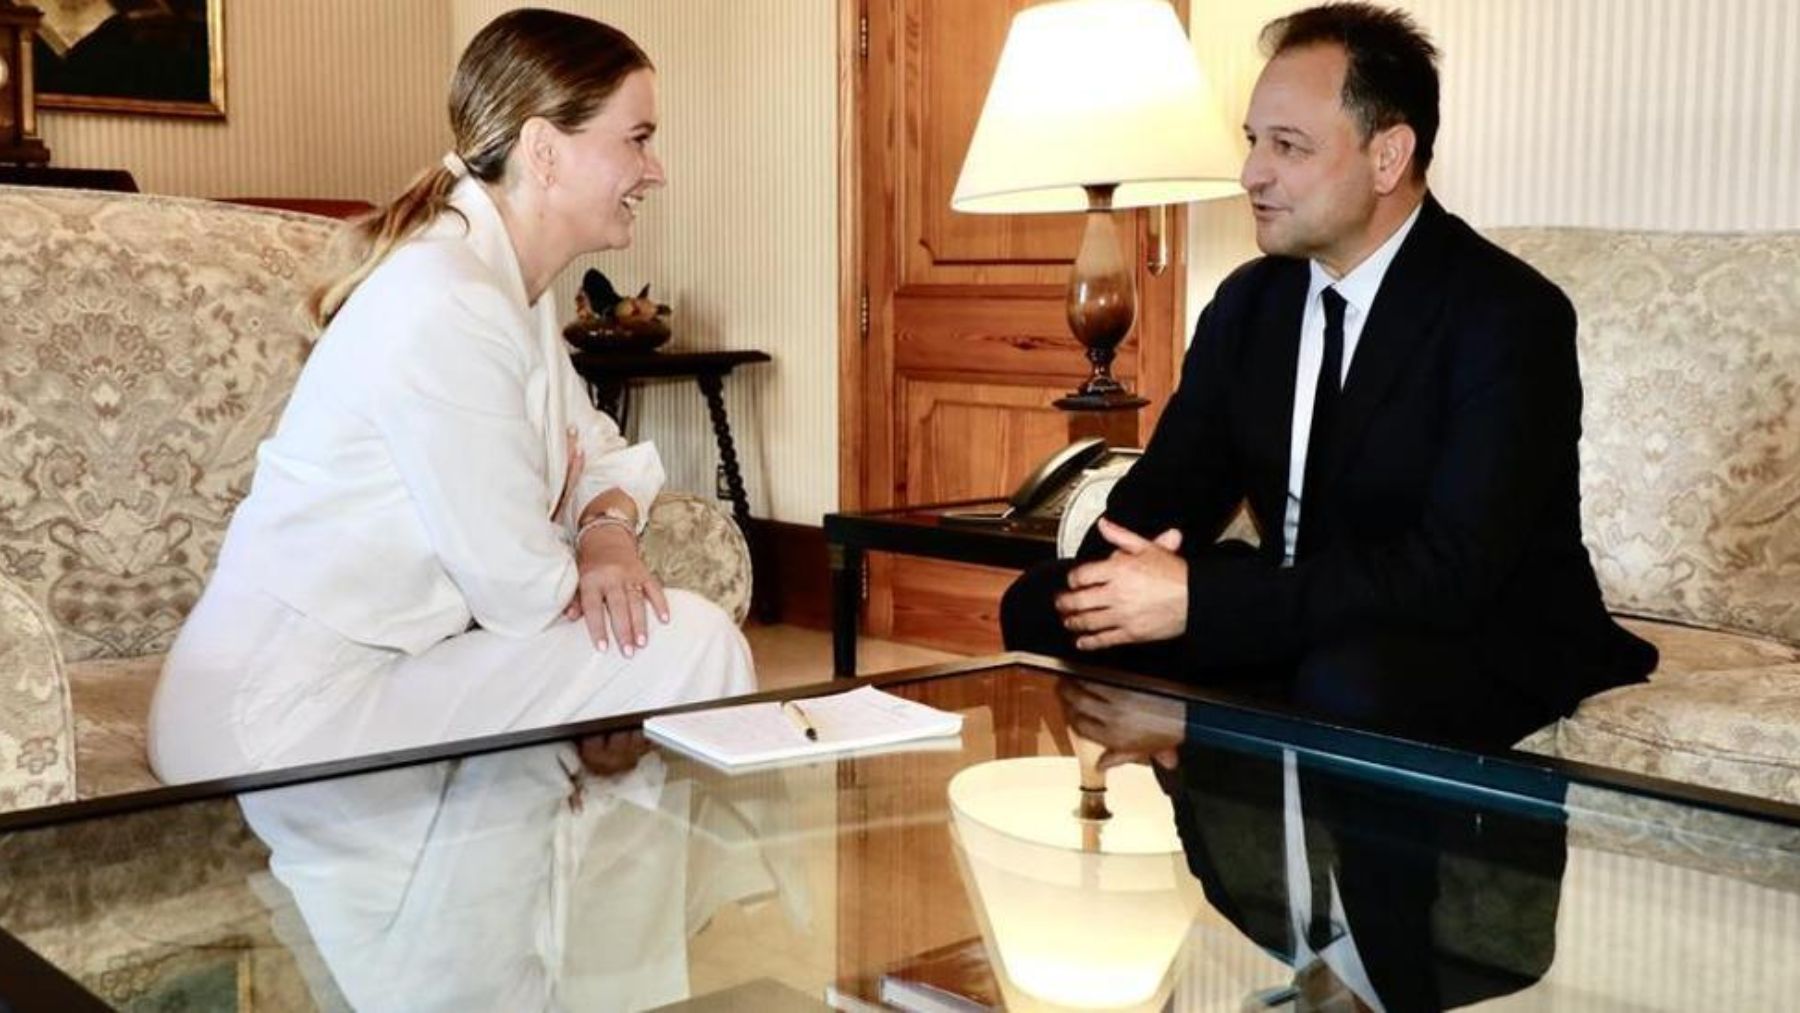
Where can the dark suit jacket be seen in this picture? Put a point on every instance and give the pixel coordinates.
(1451, 507)
(1450, 900)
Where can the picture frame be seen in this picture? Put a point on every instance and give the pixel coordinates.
(135, 57)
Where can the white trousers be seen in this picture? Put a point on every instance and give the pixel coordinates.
(252, 685)
(477, 885)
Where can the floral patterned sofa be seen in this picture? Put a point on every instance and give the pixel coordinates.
(1690, 456)
(146, 346)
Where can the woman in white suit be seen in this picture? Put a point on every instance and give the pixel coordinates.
(440, 539)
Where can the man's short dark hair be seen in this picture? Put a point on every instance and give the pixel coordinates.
(1391, 77)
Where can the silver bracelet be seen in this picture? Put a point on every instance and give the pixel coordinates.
(604, 520)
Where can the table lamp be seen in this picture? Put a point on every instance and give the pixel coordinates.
(1097, 105)
(1083, 905)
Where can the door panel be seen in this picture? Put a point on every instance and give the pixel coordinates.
(969, 440)
(949, 606)
(994, 336)
(968, 341)
(956, 50)
(965, 441)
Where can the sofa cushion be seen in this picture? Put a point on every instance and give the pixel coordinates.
(1737, 730)
(1690, 453)
(37, 740)
(1722, 710)
(1721, 843)
(112, 720)
(1692, 649)
(150, 343)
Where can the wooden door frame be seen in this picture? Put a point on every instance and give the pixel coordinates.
(852, 357)
(853, 323)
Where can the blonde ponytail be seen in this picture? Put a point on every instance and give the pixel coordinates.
(524, 63)
(368, 241)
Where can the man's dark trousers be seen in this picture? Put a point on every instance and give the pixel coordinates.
(1414, 687)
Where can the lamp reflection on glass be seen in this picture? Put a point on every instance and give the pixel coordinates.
(1097, 106)
(1076, 913)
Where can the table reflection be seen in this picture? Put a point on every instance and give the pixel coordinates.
(558, 877)
(1377, 896)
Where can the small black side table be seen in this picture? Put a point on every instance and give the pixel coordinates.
(608, 375)
(918, 531)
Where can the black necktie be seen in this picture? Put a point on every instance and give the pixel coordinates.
(1324, 419)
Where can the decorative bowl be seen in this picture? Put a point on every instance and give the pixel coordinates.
(593, 335)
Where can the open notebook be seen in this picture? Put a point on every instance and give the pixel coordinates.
(758, 733)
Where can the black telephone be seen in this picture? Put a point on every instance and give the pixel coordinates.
(1039, 500)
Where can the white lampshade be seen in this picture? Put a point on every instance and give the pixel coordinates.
(1097, 92)
(1072, 922)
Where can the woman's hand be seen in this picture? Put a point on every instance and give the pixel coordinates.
(606, 755)
(612, 753)
(615, 586)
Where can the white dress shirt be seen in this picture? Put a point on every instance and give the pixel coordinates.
(1359, 289)
(410, 483)
(1340, 954)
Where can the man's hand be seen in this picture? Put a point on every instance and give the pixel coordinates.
(615, 586)
(1136, 595)
(1132, 727)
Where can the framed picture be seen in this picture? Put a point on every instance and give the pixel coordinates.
(149, 57)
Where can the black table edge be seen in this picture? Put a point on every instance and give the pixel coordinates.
(962, 544)
(193, 791)
(1510, 771)
(29, 983)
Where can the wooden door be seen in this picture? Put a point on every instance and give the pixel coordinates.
(949, 396)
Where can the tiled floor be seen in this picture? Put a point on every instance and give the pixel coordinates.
(794, 656)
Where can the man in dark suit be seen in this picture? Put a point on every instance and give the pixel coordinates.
(1402, 899)
(1396, 403)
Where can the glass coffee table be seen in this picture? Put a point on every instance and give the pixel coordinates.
(1260, 860)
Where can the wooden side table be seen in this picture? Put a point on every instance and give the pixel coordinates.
(918, 531)
(609, 375)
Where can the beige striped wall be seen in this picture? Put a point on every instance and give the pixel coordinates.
(1622, 113)
(1663, 114)
(326, 98)
(1634, 933)
(1631, 934)
(743, 242)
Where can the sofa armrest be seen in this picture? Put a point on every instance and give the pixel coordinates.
(693, 544)
(37, 723)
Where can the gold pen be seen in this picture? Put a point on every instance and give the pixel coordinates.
(800, 720)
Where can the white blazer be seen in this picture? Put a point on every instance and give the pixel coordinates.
(409, 485)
